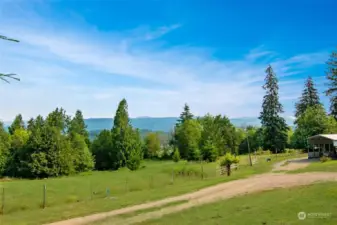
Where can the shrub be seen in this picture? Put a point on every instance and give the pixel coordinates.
(267, 152)
(259, 151)
(133, 163)
(290, 151)
(188, 171)
(324, 159)
(176, 155)
(227, 161)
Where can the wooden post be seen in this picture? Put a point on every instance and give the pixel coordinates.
(202, 171)
(44, 195)
(172, 178)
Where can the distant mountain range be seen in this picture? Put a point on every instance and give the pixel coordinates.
(164, 124)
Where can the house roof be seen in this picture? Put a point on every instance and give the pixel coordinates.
(332, 137)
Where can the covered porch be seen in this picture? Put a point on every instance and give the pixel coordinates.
(322, 144)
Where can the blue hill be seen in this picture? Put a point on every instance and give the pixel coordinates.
(164, 124)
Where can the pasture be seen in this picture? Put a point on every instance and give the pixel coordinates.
(23, 201)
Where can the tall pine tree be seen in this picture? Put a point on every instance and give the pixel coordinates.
(275, 128)
(308, 99)
(185, 115)
(17, 124)
(331, 75)
(124, 138)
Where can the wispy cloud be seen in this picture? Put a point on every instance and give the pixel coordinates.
(81, 69)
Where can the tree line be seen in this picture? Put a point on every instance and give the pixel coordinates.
(60, 145)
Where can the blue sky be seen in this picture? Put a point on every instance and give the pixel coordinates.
(159, 54)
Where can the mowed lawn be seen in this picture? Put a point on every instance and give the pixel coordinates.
(84, 194)
(275, 207)
(329, 166)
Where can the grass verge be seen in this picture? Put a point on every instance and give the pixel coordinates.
(280, 206)
(329, 166)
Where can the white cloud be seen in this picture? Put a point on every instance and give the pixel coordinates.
(70, 68)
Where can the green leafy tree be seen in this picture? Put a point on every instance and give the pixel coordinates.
(312, 122)
(48, 153)
(77, 126)
(189, 134)
(309, 98)
(176, 155)
(152, 145)
(331, 75)
(134, 161)
(18, 123)
(227, 162)
(275, 127)
(18, 146)
(102, 149)
(222, 133)
(208, 151)
(4, 148)
(83, 159)
(58, 119)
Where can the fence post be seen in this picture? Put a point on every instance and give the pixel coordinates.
(3, 201)
(202, 170)
(44, 195)
(172, 179)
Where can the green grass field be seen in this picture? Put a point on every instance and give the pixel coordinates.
(85, 194)
(276, 207)
(329, 166)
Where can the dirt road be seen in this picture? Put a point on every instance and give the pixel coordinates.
(292, 164)
(226, 190)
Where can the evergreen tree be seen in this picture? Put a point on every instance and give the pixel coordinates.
(122, 135)
(275, 128)
(188, 136)
(17, 124)
(82, 157)
(209, 151)
(185, 115)
(309, 98)
(176, 155)
(77, 126)
(331, 75)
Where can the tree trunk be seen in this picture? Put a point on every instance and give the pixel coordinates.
(228, 170)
